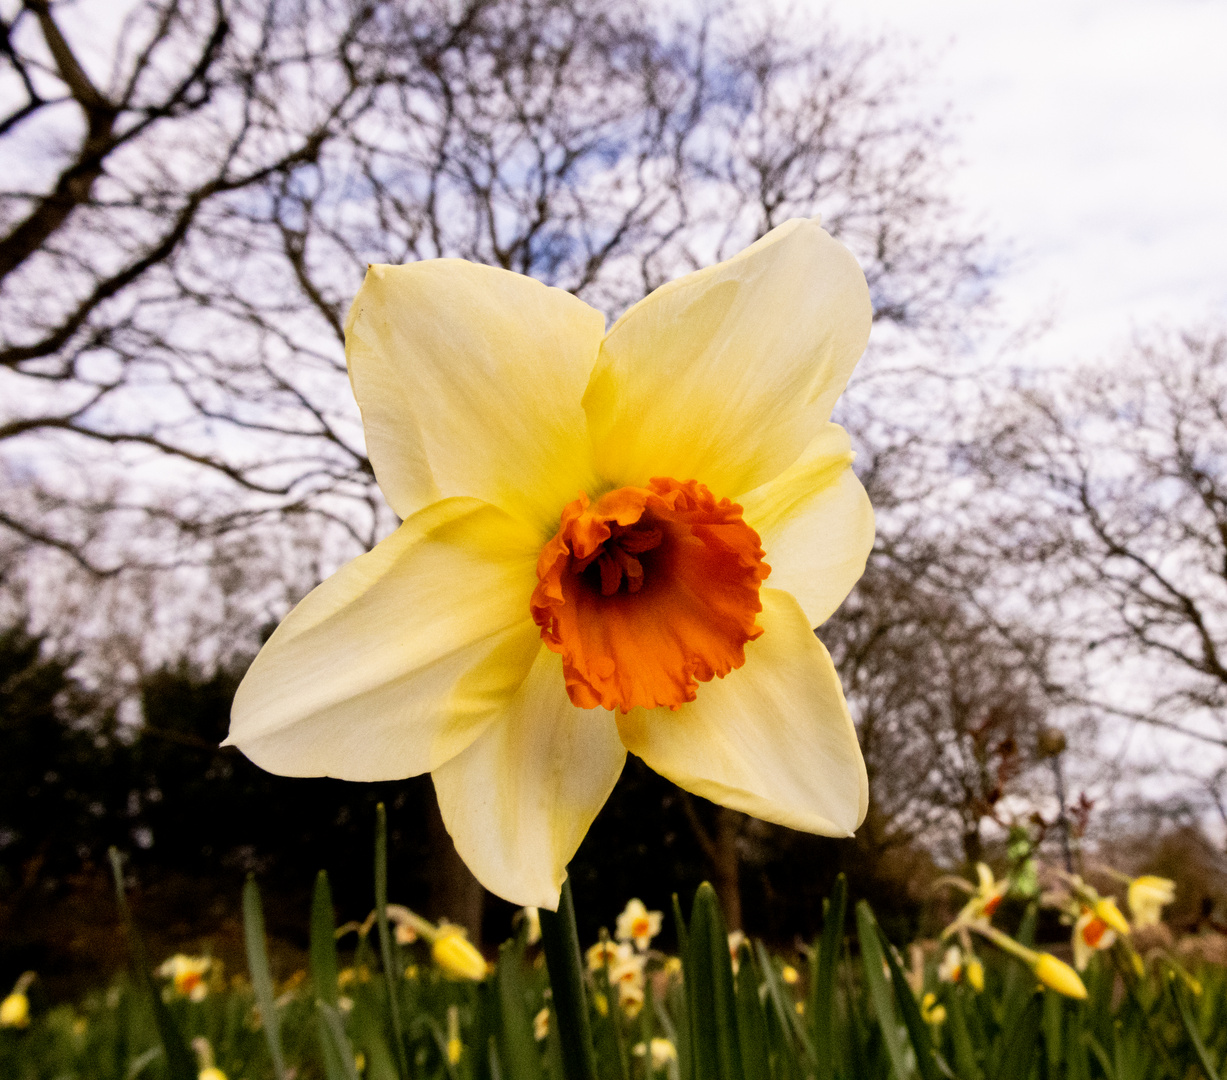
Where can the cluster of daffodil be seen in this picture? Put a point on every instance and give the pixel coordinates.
(975, 918)
(1097, 925)
(456, 1004)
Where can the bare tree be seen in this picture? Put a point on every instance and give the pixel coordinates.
(202, 188)
(1108, 490)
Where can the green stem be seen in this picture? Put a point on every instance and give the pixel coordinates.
(561, 940)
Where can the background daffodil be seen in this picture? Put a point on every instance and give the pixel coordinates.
(610, 542)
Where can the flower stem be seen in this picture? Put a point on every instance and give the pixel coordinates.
(561, 941)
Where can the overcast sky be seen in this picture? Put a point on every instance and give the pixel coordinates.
(1093, 139)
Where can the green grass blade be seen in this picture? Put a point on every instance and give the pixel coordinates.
(517, 1048)
(180, 1062)
(966, 1062)
(392, 969)
(561, 940)
(323, 958)
(342, 1050)
(261, 975)
(1190, 1029)
(822, 984)
(894, 1036)
(785, 1010)
(683, 939)
(751, 1023)
(713, 1009)
(917, 1029)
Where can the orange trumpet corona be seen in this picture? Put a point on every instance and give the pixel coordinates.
(648, 592)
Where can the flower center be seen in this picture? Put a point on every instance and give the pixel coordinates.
(648, 592)
(1094, 931)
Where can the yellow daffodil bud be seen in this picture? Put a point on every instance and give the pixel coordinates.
(211, 1073)
(454, 1049)
(1148, 895)
(975, 974)
(360, 1062)
(789, 974)
(800, 1008)
(456, 955)
(1111, 915)
(1059, 976)
(601, 1003)
(541, 1024)
(15, 1011)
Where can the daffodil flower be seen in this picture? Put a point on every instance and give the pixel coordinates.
(637, 924)
(951, 967)
(1147, 897)
(1095, 930)
(610, 542)
(187, 975)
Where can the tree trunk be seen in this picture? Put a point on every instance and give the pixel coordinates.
(726, 862)
(973, 847)
(455, 894)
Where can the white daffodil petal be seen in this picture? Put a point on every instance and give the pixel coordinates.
(520, 799)
(469, 379)
(399, 660)
(725, 375)
(816, 525)
(773, 738)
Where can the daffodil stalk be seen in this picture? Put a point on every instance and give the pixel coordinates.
(1053, 973)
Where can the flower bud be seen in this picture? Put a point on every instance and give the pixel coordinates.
(975, 974)
(457, 956)
(1111, 914)
(15, 1010)
(1059, 976)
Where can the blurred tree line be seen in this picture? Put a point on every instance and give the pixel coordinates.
(193, 193)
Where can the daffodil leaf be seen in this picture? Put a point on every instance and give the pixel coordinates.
(261, 975)
(822, 979)
(392, 968)
(517, 1047)
(1190, 1029)
(561, 940)
(751, 1023)
(179, 1062)
(323, 942)
(333, 1028)
(917, 1029)
(966, 1064)
(894, 1035)
(709, 974)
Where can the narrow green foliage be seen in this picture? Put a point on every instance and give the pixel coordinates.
(517, 1049)
(917, 1029)
(751, 1022)
(1191, 1031)
(894, 1035)
(561, 940)
(392, 967)
(261, 975)
(323, 942)
(822, 976)
(180, 1064)
(709, 974)
(862, 1019)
